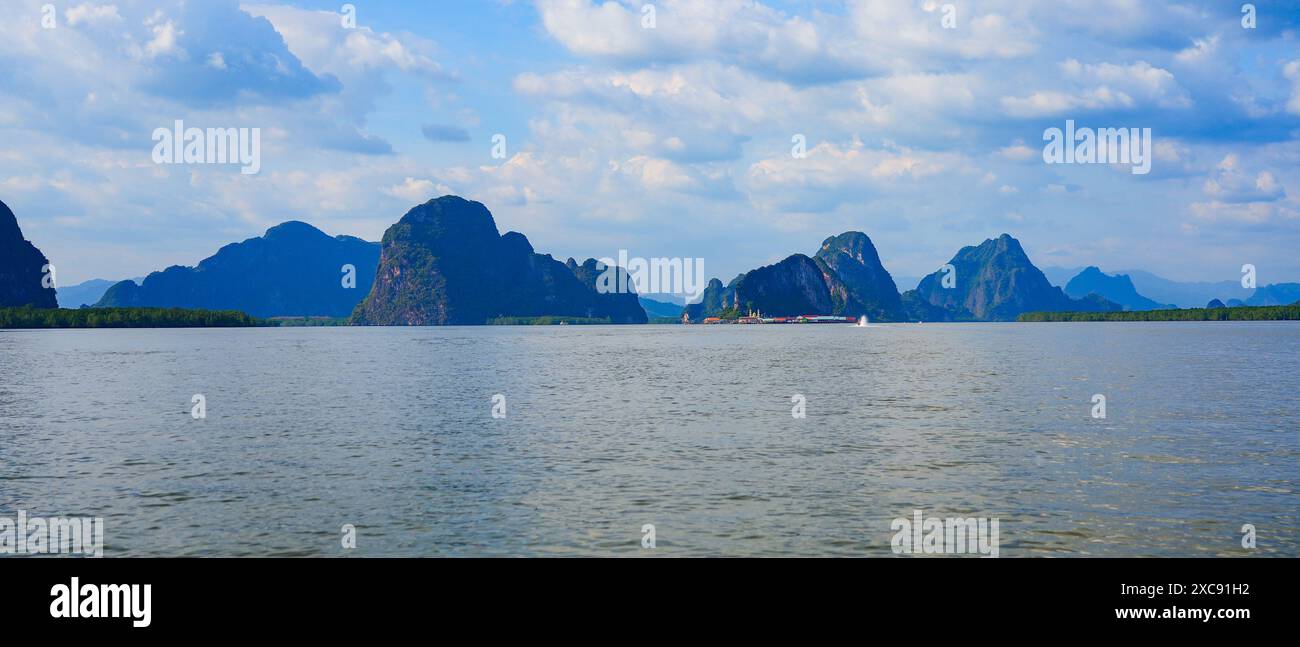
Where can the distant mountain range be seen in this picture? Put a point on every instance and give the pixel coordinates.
(1159, 290)
(994, 281)
(1162, 290)
(87, 293)
(22, 277)
(294, 269)
(1115, 288)
(1277, 294)
(444, 262)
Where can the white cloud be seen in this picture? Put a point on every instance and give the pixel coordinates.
(1100, 87)
(92, 14)
(1231, 183)
(1018, 152)
(903, 32)
(831, 175)
(316, 38)
(1292, 72)
(164, 41)
(416, 191)
(1201, 49)
(1249, 213)
(739, 32)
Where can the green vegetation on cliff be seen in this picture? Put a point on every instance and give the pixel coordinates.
(27, 317)
(547, 320)
(1262, 313)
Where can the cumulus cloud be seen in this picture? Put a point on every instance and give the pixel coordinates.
(1102, 86)
(1249, 213)
(362, 60)
(1230, 183)
(747, 34)
(830, 174)
(92, 14)
(1018, 152)
(416, 191)
(1292, 73)
(317, 39)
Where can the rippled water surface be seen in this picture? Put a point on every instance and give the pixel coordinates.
(688, 428)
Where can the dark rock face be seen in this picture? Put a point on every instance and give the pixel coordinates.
(1117, 289)
(844, 278)
(857, 282)
(792, 287)
(293, 270)
(21, 267)
(444, 263)
(1095, 303)
(995, 281)
(916, 308)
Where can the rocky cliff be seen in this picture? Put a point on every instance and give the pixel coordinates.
(445, 263)
(22, 274)
(994, 281)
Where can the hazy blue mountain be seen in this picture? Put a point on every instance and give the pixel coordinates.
(1060, 276)
(1115, 288)
(678, 300)
(857, 282)
(292, 270)
(995, 281)
(444, 262)
(86, 293)
(1235, 303)
(1184, 294)
(906, 283)
(659, 309)
(21, 267)
(1276, 294)
(1215, 303)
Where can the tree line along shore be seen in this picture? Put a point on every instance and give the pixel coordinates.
(29, 317)
(1239, 313)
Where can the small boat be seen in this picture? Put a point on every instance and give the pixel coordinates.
(862, 321)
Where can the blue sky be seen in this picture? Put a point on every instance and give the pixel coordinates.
(672, 141)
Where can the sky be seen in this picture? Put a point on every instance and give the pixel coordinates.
(670, 141)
